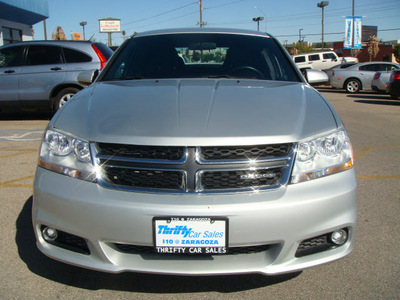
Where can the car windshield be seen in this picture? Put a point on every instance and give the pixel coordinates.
(200, 55)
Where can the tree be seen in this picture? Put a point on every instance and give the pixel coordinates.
(373, 47)
(396, 52)
(59, 34)
(300, 47)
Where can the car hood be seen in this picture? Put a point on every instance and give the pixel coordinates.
(198, 112)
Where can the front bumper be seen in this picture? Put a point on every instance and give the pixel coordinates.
(281, 218)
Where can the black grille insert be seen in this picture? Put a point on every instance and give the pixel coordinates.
(144, 179)
(239, 179)
(314, 245)
(70, 242)
(244, 152)
(141, 152)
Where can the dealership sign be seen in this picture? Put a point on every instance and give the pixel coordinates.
(349, 33)
(110, 25)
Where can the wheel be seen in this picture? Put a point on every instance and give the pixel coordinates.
(353, 86)
(63, 96)
(239, 71)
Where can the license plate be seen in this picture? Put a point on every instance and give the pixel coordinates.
(187, 235)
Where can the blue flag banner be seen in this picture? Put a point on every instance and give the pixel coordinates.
(357, 32)
(357, 44)
(348, 32)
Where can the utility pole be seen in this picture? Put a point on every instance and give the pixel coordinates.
(352, 34)
(45, 29)
(201, 14)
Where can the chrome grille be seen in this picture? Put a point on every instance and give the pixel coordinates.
(193, 169)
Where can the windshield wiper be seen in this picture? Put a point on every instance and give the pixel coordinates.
(231, 77)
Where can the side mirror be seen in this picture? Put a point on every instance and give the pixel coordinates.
(316, 77)
(88, 77)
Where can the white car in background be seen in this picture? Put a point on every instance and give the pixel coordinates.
(321, 60)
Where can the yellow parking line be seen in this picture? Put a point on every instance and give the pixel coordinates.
(367, 149)
(11, 183)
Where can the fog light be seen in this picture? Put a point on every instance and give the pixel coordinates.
(339, 237)
(49, 234)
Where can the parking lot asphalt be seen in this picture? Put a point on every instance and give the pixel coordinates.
(370, 272)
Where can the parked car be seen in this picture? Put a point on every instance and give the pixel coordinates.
(227, 163)
(379, 82)
(39, 74)
(321, 60)
(359, 77)
(394, 84)
(330, 71)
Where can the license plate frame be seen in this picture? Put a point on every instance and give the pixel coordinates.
(190, 235)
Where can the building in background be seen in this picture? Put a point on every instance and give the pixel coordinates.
(17, 18)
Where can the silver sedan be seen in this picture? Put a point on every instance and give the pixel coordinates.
(198, 151)
(359, 77)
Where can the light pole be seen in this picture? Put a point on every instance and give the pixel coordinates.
(265, 17)
(322, 4)
(83, 25)
(258, 19)
(300, 34)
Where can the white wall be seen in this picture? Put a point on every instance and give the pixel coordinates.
(26, 30)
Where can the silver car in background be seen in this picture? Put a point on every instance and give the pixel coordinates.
(43, 74)
(359, 77)
(196, 151)
(380, 81)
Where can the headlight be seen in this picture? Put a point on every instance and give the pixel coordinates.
(322, 157)
(67, 155)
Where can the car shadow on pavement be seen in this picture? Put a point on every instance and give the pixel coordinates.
(66, 274)
(25, 115)
(375, 99)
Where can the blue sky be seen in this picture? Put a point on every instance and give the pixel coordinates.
(284, 17)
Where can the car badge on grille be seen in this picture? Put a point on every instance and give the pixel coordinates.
(257, 176)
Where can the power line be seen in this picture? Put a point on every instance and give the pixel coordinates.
(332, 33)
(160, 14)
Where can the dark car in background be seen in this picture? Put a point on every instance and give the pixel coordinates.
(43, 74)
(394, 84)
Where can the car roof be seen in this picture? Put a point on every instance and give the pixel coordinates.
(55, 42)
(202, 30)
(315, 52)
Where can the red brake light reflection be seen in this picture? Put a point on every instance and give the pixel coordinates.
(396, 76)
(103, 60)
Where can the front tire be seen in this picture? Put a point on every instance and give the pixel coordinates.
(353, 86)
(63, 96)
